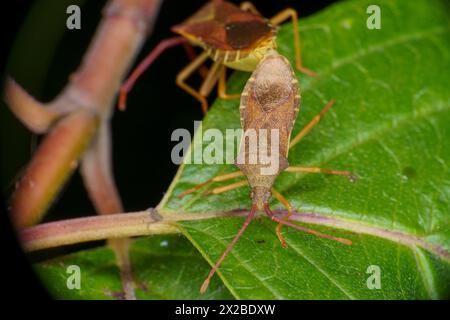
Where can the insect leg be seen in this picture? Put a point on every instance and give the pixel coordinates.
(311, 124)
(210, 80)
(227, 188)
(250, 7)
(190, 52)
(223, 86)
(230, 246)
(186, 72)
(140, 69)
(222, 177)
(320, 170)
(288, 206)
(292, 225)
(292, 14)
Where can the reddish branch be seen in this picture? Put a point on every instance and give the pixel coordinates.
(77, 121)
(51, 165)
(91, 94)
(148, 222)
(133, 224)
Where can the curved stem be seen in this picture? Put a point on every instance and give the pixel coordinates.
(36, 116)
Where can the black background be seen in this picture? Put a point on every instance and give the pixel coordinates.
(141, 136)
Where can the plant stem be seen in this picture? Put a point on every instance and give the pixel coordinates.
(51, 166)
(84, 109)
(156, 221)
(141, 223)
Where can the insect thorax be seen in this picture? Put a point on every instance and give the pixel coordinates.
(244, 59)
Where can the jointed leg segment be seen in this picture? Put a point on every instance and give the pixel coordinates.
(210, 80)
(210, 76)
(226, 188)
(223, 86)
(316, 233)
(190, 52)
(186, 72)
(223, 177)
(311, 124)
(292, 14)
(318, 170)
(285, 221)
(230, 246)
(288, 206)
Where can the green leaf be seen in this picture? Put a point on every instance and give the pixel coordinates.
(390, 126)
(164, 267)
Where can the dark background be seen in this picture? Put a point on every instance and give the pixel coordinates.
(40, 54)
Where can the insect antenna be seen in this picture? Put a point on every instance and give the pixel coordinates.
(140, 69)
(316, 233)
(230, 246)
